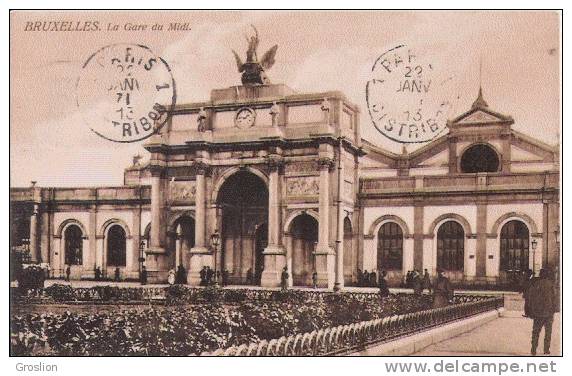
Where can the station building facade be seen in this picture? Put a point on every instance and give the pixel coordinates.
(287, 181)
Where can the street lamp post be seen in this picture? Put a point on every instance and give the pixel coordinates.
(215, 241)
(534, 244)
(141, 257)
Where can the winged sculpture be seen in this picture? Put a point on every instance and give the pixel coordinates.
(253, 70)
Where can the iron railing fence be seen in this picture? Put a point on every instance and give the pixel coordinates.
(346, 339)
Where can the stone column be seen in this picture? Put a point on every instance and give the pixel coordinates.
(289, 249)
(408, 257)
(200, 209)
(156, 260)
(493, 258)
(481, 242)
(34, 233)
(339, 282)
(474, 256)
(452, 155)
(201, 255)
(92, 251)
(325, 257)
(133, 255)
(418, 236)
(274, 253)
(156, 206)
(45, 243)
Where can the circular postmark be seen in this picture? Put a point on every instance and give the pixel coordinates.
(408, 96)
(125, 92)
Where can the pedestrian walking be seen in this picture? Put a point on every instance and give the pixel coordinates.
(181, 277)
(68, 273)
(383, 289)
(284, 279)
(365, 278)
(427, 281)
(315, 279)
(172, 277)
(527, 277)
(373, 279)
(417, 283)
(210, 276)
(541, 308)
(225, 274)
(117, 276)
(442, 290)
(203, 276)
(143, 275)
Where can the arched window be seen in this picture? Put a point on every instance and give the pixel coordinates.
(479, 158)
(73, 239)
(514, 240)
(390, 247)
(450, 246)
(116, 246)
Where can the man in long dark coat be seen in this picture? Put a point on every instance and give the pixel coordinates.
(284, 279)
(442, 290)
(541, 308)
(383, 289)
(203, 276)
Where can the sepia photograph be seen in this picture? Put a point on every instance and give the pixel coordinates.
(372, 183)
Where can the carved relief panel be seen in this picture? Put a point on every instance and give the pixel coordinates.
(182, 191)
(302, 186)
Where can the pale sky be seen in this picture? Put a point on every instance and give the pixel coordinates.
(318, 51)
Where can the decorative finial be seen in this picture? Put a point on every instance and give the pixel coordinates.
(136, 159)
(480, 101)
(253, 70)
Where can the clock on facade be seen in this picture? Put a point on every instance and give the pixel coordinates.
(245, 117)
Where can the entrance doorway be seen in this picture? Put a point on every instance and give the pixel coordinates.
(243, 201)
(304, 233)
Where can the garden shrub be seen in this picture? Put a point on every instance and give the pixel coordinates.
(60, 293)
(193, 329)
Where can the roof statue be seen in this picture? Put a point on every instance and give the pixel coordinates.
(253, 71)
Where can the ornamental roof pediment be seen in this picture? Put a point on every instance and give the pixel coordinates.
(483, 116)
(479, 117)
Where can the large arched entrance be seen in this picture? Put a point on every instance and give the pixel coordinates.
(243, 201)
(514, 249)
(304, 234)
(451, 247)
(116, 246)
(73, 245)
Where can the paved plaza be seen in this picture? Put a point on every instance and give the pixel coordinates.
(492, 339)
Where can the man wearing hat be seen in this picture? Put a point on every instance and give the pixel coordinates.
(442, 291)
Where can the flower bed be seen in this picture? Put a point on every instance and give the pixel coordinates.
(193, 329)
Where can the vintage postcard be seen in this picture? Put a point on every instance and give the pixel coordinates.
(286, 183)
